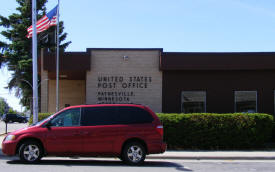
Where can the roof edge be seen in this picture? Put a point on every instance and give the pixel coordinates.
(131, 49)
(264, 52)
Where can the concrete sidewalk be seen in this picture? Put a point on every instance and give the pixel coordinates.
(204, 155)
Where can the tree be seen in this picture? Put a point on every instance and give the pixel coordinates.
(16, 52)
(3, 106)
(11, 110)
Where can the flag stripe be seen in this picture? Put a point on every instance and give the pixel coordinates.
(42, 20)
(44, 23)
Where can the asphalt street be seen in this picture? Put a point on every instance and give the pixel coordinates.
(11, 126)
(11, 164)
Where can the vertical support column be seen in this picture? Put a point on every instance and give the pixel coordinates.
(57, 60)
(34, 63)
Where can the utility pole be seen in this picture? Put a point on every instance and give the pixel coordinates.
(57, 60)
(34, 63)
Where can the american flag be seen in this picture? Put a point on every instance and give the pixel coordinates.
(50, 19)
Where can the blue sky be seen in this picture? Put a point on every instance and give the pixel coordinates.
(174, 25)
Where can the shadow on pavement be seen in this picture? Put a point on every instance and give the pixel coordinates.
(115, 163)
(4, 157)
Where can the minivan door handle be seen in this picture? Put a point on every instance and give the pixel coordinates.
(76, 134)
(84, 133)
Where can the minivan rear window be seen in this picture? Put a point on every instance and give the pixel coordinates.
(111, 115)
(133, 115)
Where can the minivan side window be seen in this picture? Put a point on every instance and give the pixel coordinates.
(67, 118)
(92, 116)
(133, 115)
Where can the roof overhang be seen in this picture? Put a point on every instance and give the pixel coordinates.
(218, 61)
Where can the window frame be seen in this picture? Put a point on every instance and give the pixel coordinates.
(235, 100)
(182, 100)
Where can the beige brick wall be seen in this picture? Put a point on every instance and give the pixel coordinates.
(115, 80)
(70, 91)
(44, 87)
(44, 91)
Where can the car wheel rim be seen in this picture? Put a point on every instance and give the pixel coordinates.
(31, 152)
(134, 154)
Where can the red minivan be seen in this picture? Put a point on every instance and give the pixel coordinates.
(127, 131)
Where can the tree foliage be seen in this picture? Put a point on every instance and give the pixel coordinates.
(3, 106)
(16, 52)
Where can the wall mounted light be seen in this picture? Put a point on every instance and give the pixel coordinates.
(125, 58)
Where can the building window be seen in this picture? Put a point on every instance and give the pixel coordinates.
(246, 101)
(274, 100)
(193, 101)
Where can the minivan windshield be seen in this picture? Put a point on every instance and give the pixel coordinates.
(40, 122)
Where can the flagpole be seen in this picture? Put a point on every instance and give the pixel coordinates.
(57, 60)
(34, 63)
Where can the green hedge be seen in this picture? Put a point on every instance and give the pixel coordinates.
(216, 131)
(41, 116)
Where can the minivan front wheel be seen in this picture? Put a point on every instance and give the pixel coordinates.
(30, 152)
(133, 153)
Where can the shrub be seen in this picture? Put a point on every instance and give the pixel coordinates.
(273, 132)
(216, 131)
(41, 116)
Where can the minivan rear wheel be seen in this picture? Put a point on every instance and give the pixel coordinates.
(133, 153)
(30, 152)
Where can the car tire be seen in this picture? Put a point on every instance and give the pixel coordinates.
(133, 153)
(30, 152)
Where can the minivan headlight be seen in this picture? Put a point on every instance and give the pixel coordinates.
(10, 138)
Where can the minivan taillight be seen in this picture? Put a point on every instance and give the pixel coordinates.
(160, 129)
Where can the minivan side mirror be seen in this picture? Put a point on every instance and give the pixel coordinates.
(48, 124)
